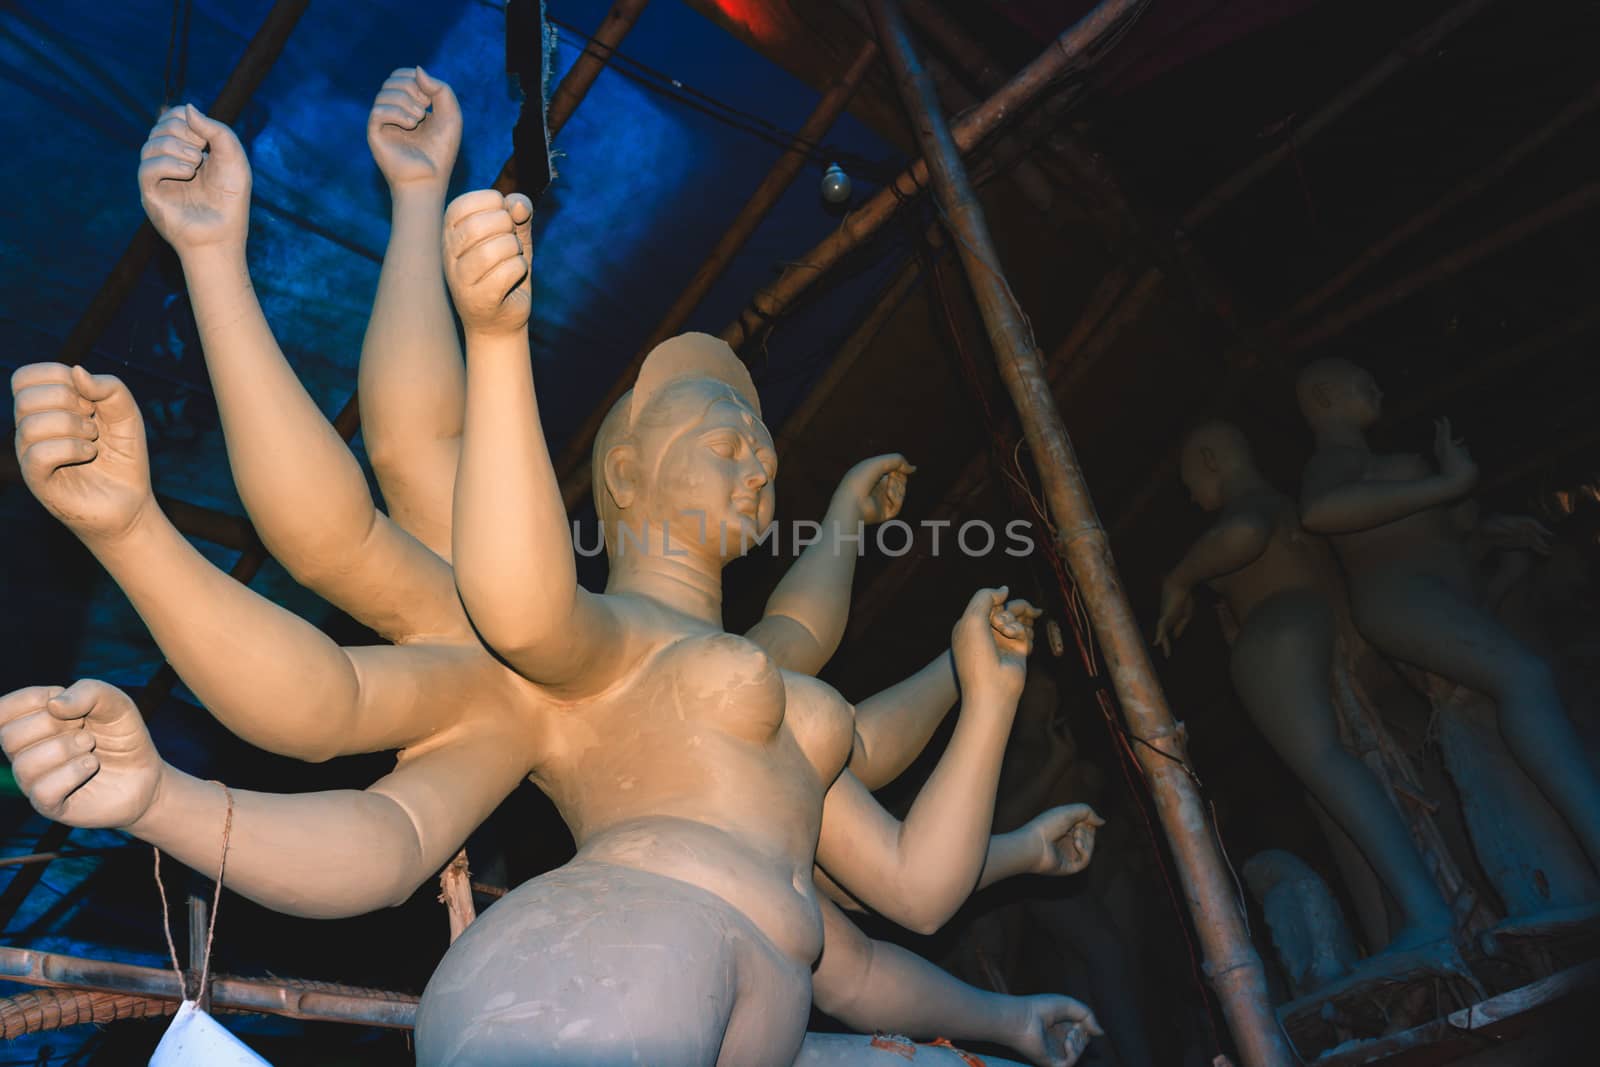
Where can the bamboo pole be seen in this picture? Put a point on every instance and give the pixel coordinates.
(975, 475)
(289, 997)
(1421, 43)
(572, 466)
(1231, 961)
(580, 77)
(1125, 230)
(966, 132)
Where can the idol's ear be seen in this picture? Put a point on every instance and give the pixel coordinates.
(622, 475)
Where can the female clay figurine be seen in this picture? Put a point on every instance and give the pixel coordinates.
(1281, 585)
(1413, 586)
(431, 694)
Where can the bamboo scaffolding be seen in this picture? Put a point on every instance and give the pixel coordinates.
(1235, 969)
(1063, 54)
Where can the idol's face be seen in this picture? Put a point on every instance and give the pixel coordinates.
(711, 482)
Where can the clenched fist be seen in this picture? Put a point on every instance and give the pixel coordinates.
(80, 443)
(487, 261)
(414, 129)
(81, 754)
(194, 181)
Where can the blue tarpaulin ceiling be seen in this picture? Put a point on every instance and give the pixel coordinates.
(646, 184)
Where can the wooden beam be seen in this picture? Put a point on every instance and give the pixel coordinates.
(1421, 43)
(573, 464)
(1063, 54)
(1234, 967)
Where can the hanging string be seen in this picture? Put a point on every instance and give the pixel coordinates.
(216, 901)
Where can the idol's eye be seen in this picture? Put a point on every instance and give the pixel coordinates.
(725, 445)
(769, 462)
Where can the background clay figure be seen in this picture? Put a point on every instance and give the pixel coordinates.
(1412, 582)
(83, 452)
(1279, 584)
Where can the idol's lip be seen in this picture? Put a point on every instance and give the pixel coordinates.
(748, 506)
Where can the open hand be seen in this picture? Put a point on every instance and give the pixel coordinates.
(876, 486)
(991, 642)
(487, 260)
(412, 144)
(80, 443)
(1054, 1030)
(194, 181)
(82, 754)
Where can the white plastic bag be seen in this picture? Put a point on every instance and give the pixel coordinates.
(195, 1039)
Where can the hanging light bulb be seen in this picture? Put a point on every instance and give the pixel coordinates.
(835, 184)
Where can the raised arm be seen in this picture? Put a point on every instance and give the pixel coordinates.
(878, 987)
(1233, 542)
(893, 727)
(301, 485)
(1339, 497)
(918, 872)
(806, 614)
(513, 544)
(413, 383)
(269, 676)
(83, 757)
